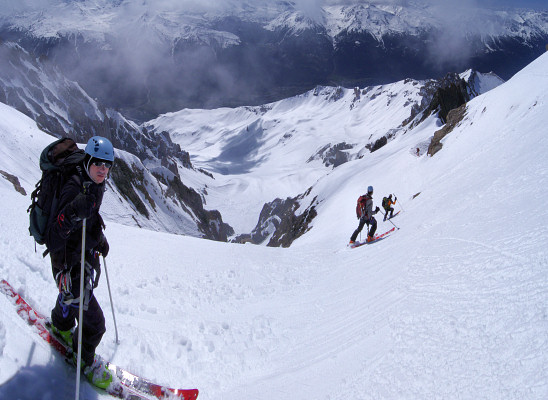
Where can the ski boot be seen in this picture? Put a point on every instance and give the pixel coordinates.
(97, 373)
(64, 336)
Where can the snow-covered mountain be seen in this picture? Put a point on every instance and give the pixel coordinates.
(156, 23)
(452, 305)
(145, 58)
(143, 196)
(280, 150)
(61, 107)
(227, 143)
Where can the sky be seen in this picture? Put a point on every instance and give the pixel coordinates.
(452, 305)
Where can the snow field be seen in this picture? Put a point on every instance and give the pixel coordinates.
(453, 305)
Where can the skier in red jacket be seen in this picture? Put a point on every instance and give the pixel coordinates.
(364, 211)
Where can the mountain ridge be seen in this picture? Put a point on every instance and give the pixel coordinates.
(144, 60)
(241, 145)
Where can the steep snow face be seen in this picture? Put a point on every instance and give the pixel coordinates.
(452, 305)
(260, 153)
(479, 82)
(43, 92)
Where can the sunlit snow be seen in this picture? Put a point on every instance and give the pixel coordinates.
(453, 305)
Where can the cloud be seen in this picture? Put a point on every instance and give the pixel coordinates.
(458, 23)
(135, 66)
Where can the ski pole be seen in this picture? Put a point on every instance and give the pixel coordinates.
(80, 311)
(389, 220)
(81, 303)
(400, 204)
(111, 303)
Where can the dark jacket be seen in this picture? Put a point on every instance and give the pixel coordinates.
(65, 233)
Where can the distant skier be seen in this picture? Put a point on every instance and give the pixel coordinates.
(364, 211)
(387, 205)
(80, 198)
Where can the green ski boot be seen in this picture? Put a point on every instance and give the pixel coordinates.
(64, 336)
(97, 373)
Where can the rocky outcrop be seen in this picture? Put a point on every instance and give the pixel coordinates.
(209, 222)
(454, 117)
(279, 224)
(136, 186)
(14, 181)
(332, 155)
(452, 91)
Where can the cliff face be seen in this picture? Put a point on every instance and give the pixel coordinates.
(61, 108)
(281, 222)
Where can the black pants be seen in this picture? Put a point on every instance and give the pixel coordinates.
(64, 318)
(391, 210)
(363, 221)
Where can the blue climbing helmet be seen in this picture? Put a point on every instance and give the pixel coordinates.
(370, 190)
(100, 147)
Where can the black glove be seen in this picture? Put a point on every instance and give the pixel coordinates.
(103, 246)
(97, 275)
(93, 268)
(377, 209)
(82, 205)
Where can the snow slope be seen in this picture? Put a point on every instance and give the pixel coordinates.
(453, 305)
(259, 153)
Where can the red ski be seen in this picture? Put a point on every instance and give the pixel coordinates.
(375, 239)
(393, 216)
(125, 385)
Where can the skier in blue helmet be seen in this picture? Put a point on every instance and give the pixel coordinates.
(80, 198)
(364, 212)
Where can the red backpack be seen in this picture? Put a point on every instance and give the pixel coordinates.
(360, 207)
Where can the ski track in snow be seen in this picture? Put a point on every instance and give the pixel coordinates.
(448, 325)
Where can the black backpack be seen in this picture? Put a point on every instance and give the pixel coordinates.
(58, 162)
(385, 203)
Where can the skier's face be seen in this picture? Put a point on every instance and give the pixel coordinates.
(98, 170)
